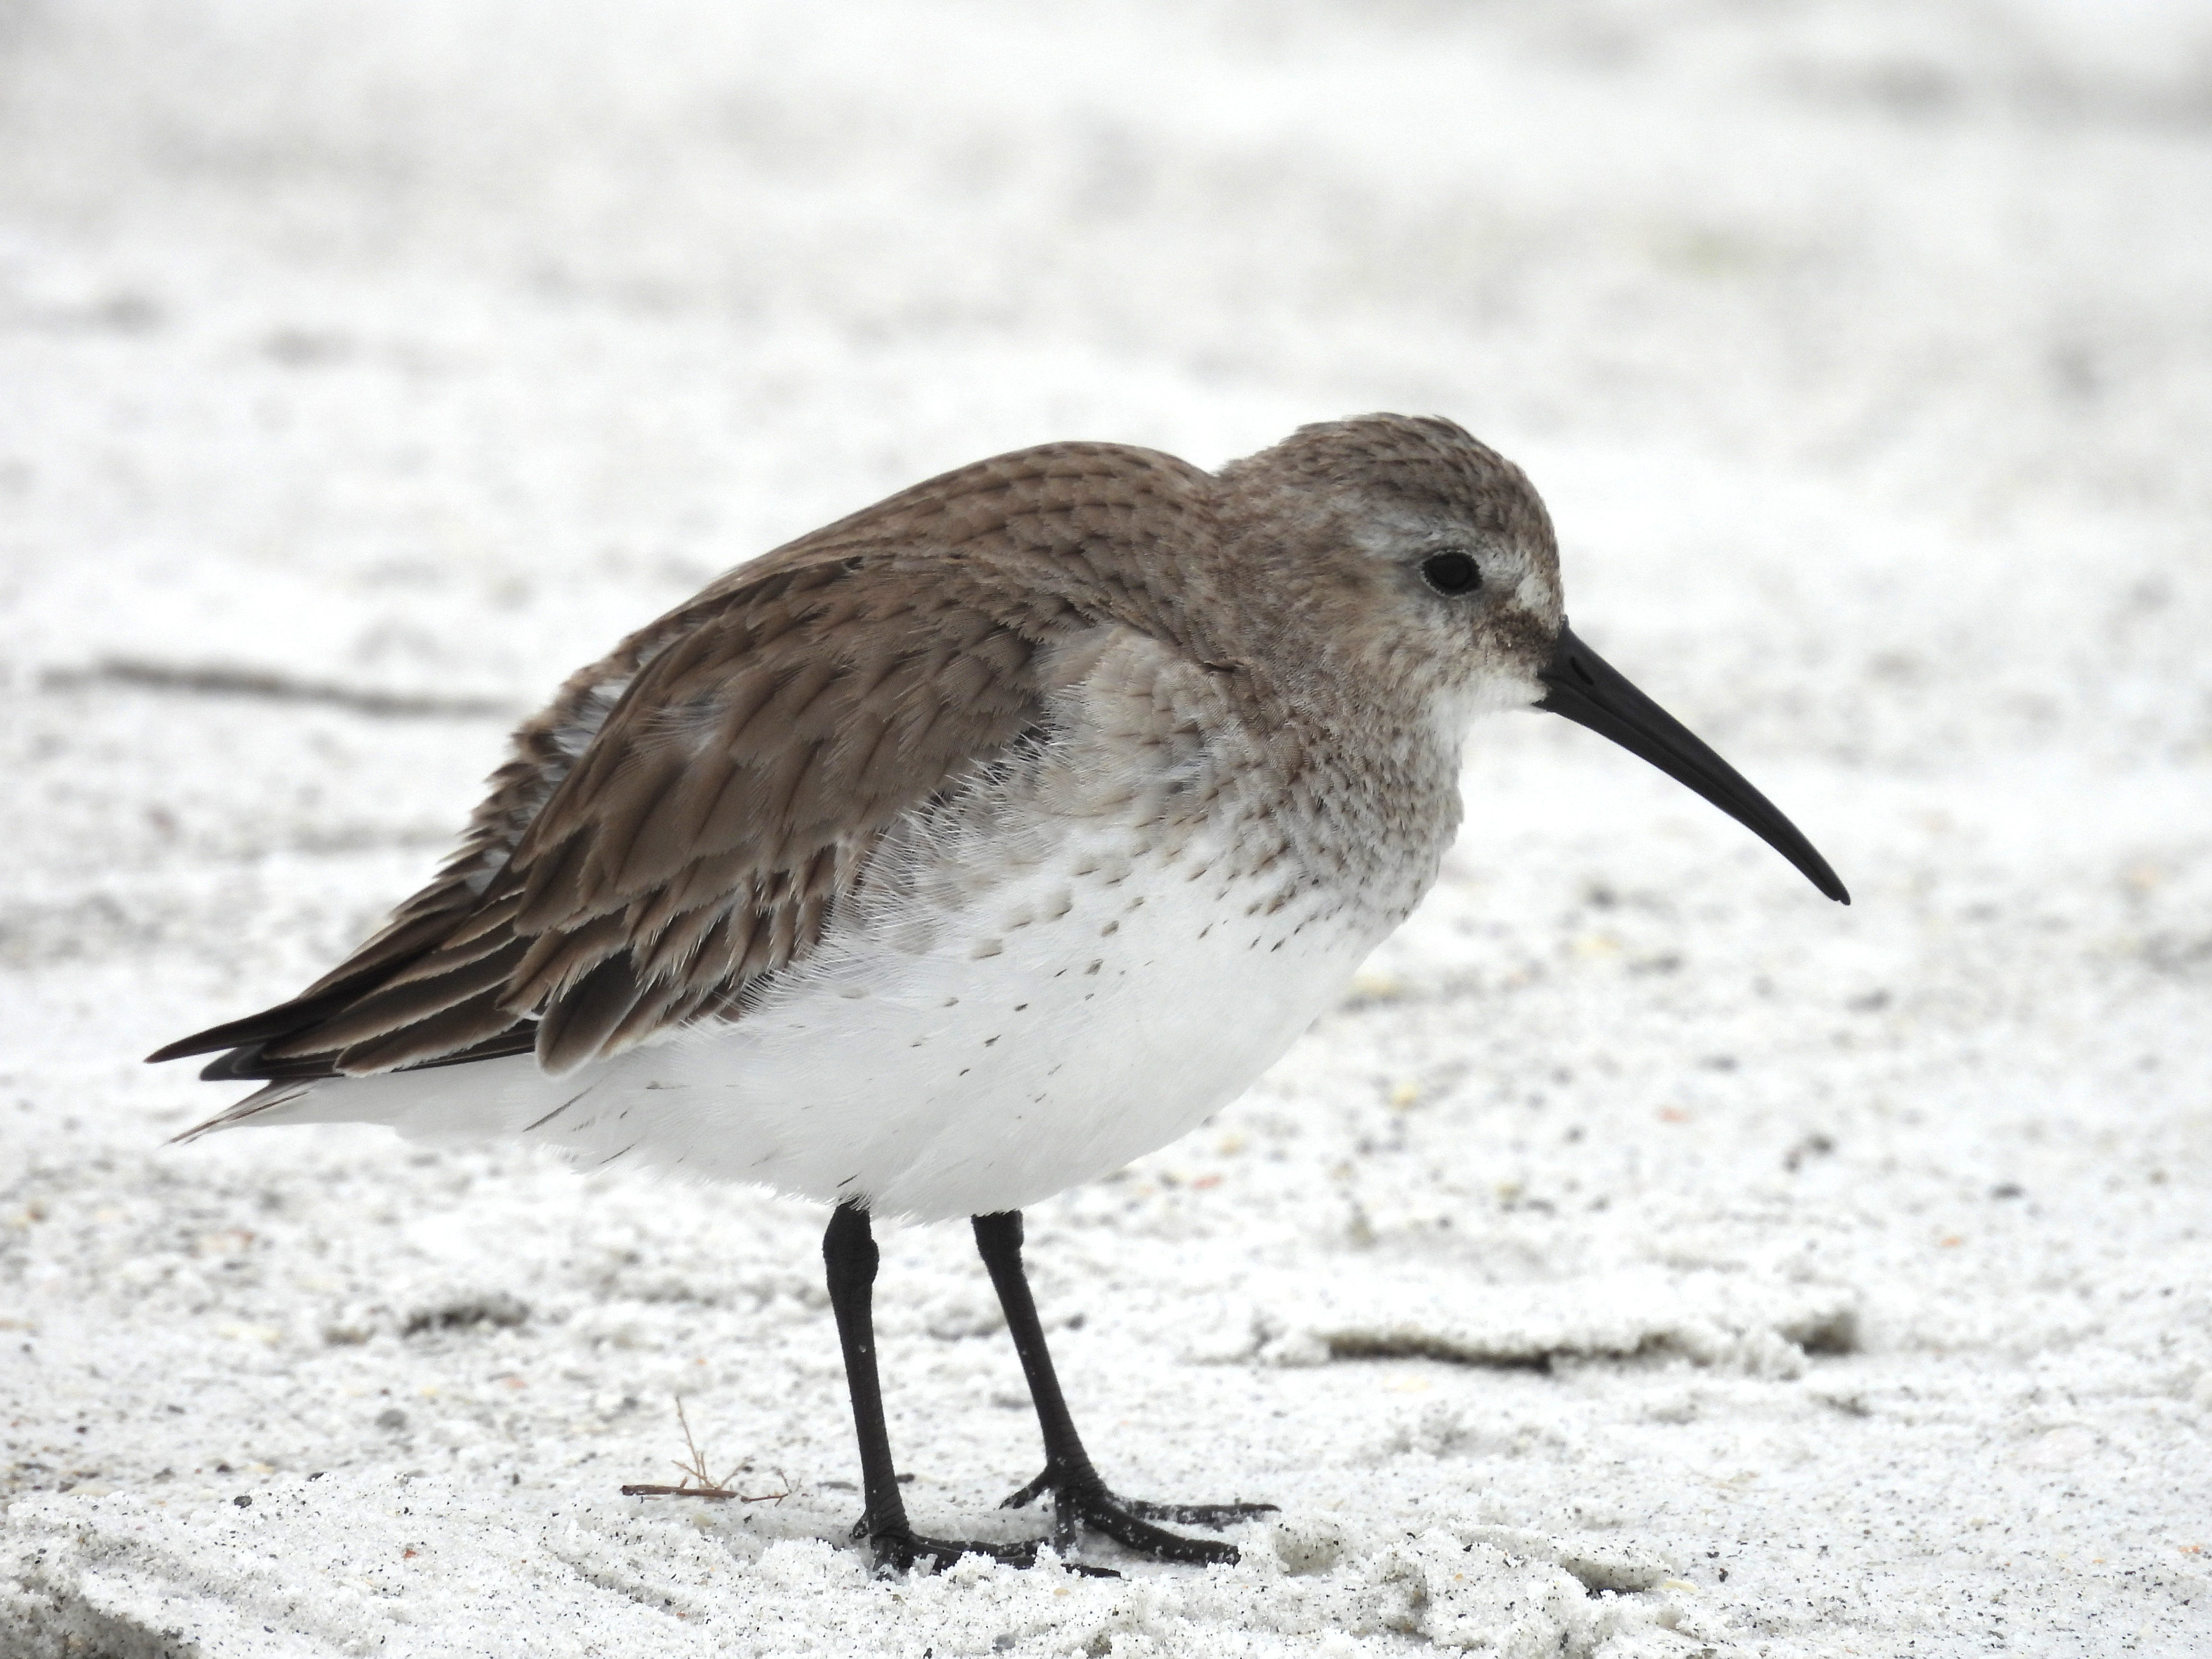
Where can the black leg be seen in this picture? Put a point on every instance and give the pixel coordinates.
(1079, 1498)
(848, 1252)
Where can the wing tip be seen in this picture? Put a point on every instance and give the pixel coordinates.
(262, 1100)
(255, 1031)
(182, 1049)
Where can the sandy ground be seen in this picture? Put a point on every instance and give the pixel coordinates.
(1647, 1258)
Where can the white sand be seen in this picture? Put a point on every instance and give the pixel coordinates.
(1648, 1259)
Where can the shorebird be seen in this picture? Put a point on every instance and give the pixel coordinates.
(969, 847)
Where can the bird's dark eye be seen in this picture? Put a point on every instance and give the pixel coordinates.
(1451, 573)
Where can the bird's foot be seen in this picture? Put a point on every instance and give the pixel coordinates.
(897, 1547)
(1083, 1502)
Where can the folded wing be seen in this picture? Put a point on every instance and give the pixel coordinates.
(685, 818)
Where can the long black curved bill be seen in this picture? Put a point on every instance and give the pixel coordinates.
(1590, 691)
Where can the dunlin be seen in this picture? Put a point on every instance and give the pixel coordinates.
(969, 847)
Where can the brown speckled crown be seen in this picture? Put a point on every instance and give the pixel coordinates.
(1425, 462)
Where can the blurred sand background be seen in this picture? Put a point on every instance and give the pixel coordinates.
(1647, 1259)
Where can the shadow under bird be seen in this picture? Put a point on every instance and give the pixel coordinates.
(969, 847)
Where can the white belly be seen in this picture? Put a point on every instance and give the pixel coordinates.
(1034, 1032)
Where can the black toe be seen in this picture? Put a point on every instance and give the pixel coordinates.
(1081, 1505)
(899, 1549)
(906, 1551)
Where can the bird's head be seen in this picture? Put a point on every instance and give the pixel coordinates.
(1404, 556)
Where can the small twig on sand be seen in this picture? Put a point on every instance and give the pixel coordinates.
(714, 1494)
(698, 1483)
